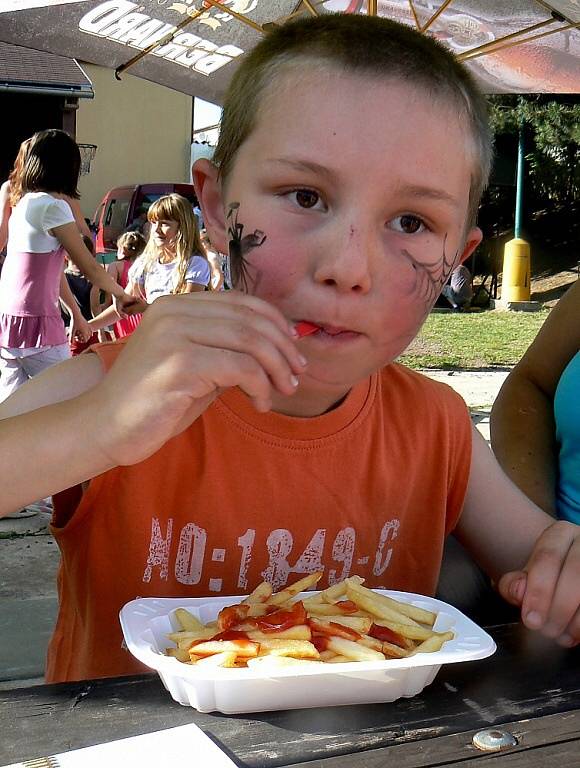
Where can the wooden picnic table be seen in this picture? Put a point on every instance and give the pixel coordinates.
(530, 688)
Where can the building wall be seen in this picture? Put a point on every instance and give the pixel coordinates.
(142, 131)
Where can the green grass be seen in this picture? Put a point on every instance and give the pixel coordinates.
(473, 340)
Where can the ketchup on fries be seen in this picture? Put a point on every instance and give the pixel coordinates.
(344, 623)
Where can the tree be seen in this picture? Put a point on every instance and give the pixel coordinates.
(552, 125)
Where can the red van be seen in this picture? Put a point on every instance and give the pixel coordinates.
(123, 207)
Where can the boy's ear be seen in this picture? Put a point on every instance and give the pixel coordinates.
(472, 240)
(209, 194)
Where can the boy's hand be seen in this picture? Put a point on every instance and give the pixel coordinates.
(186, 350)
(548, 587)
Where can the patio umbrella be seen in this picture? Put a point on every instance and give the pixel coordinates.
(192, 45)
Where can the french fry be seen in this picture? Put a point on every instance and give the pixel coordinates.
(334, 659)
(244, 648)
(360, 624)
(353, 651)
(412, 611)
(329, 609)
(299, 586)
(178, 653)
(433, 643)
(185, 639)
(301, 649)
(223, 659)
(392, 651)
(187, 621)
(407, 630)
(372, 602)
(299, 632)
(261, 594)
(334, 593)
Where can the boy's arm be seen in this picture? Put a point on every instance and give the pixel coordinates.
(46, 426)
(522, 421)
(535, 560)
(72, 422)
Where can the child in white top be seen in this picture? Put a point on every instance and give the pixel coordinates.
(41, 227)
(173, 261)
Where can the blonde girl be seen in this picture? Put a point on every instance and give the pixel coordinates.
(174, 259)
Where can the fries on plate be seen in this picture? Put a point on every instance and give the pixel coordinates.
(346, 622)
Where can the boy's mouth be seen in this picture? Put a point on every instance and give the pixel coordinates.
(307, 328)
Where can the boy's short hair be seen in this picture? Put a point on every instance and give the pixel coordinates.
(360, 44)
(52, 164)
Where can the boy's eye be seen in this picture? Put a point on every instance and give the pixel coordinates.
(408, 224)
(306, 198)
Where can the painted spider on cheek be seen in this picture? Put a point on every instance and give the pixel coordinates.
(239, 246)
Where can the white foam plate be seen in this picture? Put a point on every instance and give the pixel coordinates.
(146, 622)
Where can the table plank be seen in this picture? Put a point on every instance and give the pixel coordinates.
(527, 678)
(560, 734)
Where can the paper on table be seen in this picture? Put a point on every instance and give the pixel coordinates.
(152, 750)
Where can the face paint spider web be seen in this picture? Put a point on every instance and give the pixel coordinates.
(432, 277)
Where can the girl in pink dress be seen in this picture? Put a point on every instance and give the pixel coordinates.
(41, 227)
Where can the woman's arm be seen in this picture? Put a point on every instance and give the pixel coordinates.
(5, 211)
(522, 422)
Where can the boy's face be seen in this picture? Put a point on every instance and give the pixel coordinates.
(361, 188)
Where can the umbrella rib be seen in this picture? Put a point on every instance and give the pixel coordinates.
(236, 15)
(487, 47)
(414, 12)
(164, 40)
(310, 7)
(495, 48)
(548, 7)
(436, 15)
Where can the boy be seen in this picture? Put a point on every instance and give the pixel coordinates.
(352, 155)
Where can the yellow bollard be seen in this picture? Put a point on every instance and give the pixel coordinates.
(516, 271)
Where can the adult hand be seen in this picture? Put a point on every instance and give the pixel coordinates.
(186, 350)
(548, 587)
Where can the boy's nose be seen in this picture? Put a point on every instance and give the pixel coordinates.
(345, 261)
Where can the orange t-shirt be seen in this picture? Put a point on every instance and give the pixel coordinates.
(370, 488)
